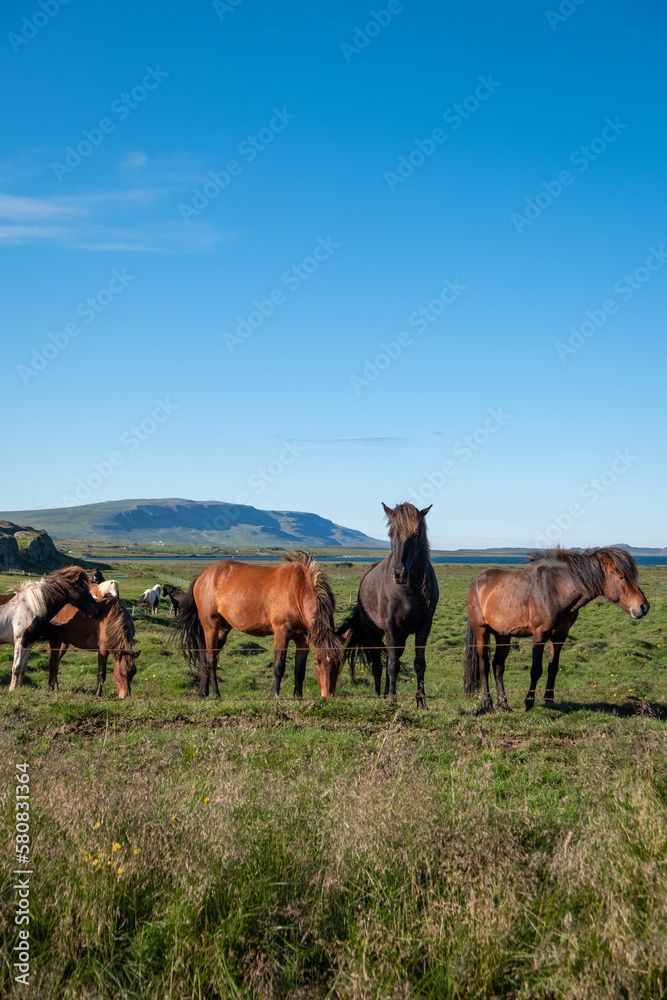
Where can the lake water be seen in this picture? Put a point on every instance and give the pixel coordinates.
(496, 560)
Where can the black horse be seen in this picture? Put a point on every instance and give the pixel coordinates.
(397, 597)
(175, 594)
(96, 576)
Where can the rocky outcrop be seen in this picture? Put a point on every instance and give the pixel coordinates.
(37, 547)
(23, 547)
(9, 551)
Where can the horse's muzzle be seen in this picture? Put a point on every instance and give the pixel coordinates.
(401, 579)
(641, 610)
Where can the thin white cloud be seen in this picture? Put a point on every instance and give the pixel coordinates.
(134, 159)
(19, 208)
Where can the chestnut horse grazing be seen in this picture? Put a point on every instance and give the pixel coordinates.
(110, 634)
(542, 600)
(397, 597)
(292, 601)
(25, 613)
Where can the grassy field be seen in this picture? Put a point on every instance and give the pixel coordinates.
(248, 848)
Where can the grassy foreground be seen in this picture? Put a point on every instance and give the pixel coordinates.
(248, 848)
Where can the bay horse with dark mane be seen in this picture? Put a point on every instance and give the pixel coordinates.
(112, 634)
(25, 613)
(292, 602)
(542, 600)
(397, 597)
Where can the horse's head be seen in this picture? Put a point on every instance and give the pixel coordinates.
(124, 671)
(75, 581)
(620, 582)
(407, 534)
(327, 665)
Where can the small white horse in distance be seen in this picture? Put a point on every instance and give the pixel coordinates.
(108, 588)
(151, 598)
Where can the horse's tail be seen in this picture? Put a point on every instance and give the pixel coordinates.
(187, 628)
(472, 664)
(360, 634)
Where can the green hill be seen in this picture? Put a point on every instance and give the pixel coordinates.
(192, 522)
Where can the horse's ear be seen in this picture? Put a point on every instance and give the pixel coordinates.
(387, 510)
(424, 512)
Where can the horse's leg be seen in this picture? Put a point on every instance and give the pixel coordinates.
(376, 666)
(215, 636)
(101, 672)
(395, 650)
(539, 639)
(300, 658)
(57, 652)
(482, 640)
(421, 638)
(503, 645)
(554, 655)
(280, 641)
(20, 662)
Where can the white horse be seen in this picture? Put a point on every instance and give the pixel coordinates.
(151, 598)
(108, 588)
(25, 613)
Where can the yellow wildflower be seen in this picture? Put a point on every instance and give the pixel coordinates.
(116, 847)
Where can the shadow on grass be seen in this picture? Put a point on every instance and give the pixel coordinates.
(626, 709)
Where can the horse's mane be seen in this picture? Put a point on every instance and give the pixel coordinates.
(405, 520)
(40, 594)
(587, 567)
(320, 631)
(118, 626)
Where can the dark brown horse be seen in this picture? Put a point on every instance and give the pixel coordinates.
(175, 595)
(292, 601)
(542, 600)
(397, 597)
(112, 634)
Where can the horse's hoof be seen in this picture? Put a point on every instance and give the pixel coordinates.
(530, 703)
(503, 706)
(421, 702)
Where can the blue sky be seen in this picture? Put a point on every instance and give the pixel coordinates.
(323, 255)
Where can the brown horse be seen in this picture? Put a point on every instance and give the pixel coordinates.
(110, 634)
(542, 600)
(24, 614)
(292, 601)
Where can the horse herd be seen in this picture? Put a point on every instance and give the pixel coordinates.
(293, 602)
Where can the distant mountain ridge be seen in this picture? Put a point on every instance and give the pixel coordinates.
(195, 522)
